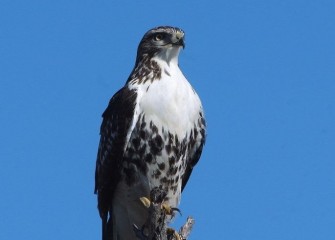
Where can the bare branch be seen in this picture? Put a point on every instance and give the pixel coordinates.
(185, 230)
(156, 226)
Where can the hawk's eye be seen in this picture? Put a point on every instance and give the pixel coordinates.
(158, 37)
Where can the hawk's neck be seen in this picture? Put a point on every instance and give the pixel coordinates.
(150, 68)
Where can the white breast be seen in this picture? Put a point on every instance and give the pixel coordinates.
(171, 101)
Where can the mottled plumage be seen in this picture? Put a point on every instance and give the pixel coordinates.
(152, 135)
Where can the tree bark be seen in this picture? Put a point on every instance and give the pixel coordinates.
(156, 226)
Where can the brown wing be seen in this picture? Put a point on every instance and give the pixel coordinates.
(117, 120)
(197, 141)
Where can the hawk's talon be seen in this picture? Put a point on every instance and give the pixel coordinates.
(145, 201)
(176, 210)
(169, 210)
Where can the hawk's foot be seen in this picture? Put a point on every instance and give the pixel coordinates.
(169, 210)
(145, 201)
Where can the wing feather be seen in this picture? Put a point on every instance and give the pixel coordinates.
(117, 119)
(198, 138)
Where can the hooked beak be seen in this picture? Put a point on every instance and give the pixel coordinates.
(180, 39)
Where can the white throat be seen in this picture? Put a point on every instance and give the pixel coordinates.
(169, 55)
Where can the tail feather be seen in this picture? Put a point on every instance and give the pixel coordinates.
(107, 228)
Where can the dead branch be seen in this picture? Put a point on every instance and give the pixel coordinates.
(156, 226)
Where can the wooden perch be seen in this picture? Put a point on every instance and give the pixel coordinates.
(156, 226)
(185, 230)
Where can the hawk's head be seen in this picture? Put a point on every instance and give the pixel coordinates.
(165, 41)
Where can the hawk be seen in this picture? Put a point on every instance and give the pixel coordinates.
(152, 135)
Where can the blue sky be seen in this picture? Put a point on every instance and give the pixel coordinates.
(265, 71)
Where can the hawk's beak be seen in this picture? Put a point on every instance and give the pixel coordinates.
(182, 42)
(180, 39)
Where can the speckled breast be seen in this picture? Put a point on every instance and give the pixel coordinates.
(159, 155)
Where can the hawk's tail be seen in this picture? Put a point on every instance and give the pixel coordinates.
(107, 228)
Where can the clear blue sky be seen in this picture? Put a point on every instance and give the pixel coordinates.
(265, 71)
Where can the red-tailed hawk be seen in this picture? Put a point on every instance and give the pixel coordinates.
(152, 135)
